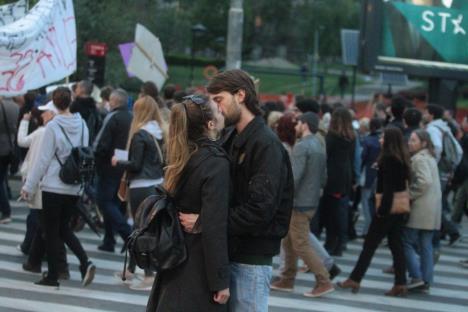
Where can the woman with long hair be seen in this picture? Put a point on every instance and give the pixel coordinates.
(144, 168)
(149, 88)
(340, 144)
(197, 177)
(393, 176)
(426, 206)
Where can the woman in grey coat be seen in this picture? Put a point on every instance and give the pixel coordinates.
(425, 215)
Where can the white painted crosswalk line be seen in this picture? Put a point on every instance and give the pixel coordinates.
(448, 294)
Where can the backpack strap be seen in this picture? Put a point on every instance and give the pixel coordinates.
(69, 141)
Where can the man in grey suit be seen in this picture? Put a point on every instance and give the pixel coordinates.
(309, 165)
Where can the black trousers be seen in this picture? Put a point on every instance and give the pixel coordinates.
(390, 226)
(37, 249)
(56, 213)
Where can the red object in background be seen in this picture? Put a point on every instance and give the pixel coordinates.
(96, 49)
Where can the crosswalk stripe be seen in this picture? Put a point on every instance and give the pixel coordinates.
(40, 306)
(448, 293)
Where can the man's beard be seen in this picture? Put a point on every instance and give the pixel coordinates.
(234, 115)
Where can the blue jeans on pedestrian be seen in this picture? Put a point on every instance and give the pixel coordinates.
(109, 203)
(368, 207)
(419, 253)
(250, 287)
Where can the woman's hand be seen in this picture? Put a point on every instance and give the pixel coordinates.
(27, 116)
(188, 220)
(114, 161)
(24, 195)
(222, 296)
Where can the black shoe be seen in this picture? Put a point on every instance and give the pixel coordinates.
(63, 276)
(87, 273)
(31, 268)
(47, 282)
(454, 239)
(334, 272)
(106, 248)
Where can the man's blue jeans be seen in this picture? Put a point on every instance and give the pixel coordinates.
(419, 253)
(250, 287)
(109, 203)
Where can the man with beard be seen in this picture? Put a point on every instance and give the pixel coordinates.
(263, 190)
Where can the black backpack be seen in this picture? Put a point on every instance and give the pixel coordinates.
(79, 166)
(159, 243)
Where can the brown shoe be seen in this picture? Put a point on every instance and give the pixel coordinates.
(320, 290)
(397, 291)
(282, 285)
(349, 283)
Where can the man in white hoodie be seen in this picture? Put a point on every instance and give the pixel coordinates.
(437, 128)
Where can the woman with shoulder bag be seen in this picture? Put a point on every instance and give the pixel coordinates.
(392, 204)
(144, 168)
(426, 207)
(197, 176)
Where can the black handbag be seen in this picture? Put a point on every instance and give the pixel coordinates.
(14, 155)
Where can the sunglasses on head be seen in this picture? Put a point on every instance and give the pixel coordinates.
(198, 100)
(195, 98)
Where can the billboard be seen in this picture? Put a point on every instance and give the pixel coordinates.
(417, 37)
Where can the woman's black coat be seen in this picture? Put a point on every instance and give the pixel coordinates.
(204, 191)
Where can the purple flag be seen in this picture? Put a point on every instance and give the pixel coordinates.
(126, 52)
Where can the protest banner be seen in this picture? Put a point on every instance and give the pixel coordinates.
(12, 12)
(39, 48)
(147, 62)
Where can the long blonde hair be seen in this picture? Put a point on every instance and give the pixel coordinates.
(187, 124)
(145, 110)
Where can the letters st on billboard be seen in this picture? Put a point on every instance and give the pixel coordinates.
(426, 38)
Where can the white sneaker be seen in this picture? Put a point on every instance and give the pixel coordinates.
(128, 277)
(146, 284)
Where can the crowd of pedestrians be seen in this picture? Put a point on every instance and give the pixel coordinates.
(250, 181)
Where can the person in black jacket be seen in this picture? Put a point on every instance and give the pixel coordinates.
(198, 178)
(113, 135)
(392, 176)
(86, 106)
(144, 167)
(340, 144)
(260, 210)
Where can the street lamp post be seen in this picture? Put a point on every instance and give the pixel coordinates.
(197, 30)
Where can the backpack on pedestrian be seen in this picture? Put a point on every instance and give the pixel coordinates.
(158, 244)
(78, 168)
(449, 158)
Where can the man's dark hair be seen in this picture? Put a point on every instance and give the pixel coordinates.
(87, 86)
(61, 97)
(375, 124)
(412, 117)
(435, 110)
(308, 105)
(398, 106)
(179, 96)
(325, 108)
(106, 92)
(232, 81)
(169, 91)
(150, 88)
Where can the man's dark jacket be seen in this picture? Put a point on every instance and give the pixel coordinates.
(114, 135)
(87, 108)
(263, 191)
